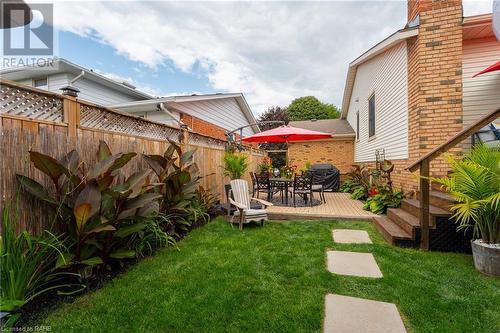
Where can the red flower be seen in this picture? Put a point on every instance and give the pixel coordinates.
(372, 191)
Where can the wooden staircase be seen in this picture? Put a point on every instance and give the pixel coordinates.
(401, 226)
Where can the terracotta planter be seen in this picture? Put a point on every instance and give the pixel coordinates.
(486, 257)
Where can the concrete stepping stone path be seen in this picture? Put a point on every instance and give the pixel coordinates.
(353, 263)
(348, 236)
(345, 314)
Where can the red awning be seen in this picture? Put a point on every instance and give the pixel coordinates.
(286, 134)
(492, 68)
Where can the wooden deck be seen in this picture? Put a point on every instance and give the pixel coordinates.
(338, 206)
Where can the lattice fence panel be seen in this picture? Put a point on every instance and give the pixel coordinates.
(93, 117)
(26, 103)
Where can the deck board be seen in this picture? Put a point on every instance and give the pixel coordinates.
(338, 206)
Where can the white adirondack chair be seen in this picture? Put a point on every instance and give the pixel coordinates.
(239, 189)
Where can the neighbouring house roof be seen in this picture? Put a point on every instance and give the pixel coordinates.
(336, 127)
(151, 104)
(64, 66)
(382, 46)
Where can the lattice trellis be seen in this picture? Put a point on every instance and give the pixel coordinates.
(25, 103)
(93, 117)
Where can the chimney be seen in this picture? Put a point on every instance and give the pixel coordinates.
(434, 76)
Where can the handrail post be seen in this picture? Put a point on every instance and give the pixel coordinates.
(424, 204)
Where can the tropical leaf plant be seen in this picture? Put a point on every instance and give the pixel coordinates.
(235, 165)
(28, 266)
(93, 202)
(177, 178)
(474, 183)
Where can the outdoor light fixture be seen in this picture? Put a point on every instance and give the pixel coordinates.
(70, 90)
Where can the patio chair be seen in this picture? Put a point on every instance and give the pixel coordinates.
(254, 183)
(245, 214)
(263, 185)
(302, 185)
(318, 184)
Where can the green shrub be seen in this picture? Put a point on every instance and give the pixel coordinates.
(95, 205)
(379, 202)
(359, 193)
(28, 266)
(235, 165)
(178, 179)
(475, 184)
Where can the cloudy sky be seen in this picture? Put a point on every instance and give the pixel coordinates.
(273, 52)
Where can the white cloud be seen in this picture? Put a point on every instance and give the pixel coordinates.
(271, 51)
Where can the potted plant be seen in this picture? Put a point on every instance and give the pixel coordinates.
(306, 167)
(235, 166)
(474, 183)
(287, 171)
(265, 167)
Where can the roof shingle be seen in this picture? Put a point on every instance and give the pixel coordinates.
(333, 126)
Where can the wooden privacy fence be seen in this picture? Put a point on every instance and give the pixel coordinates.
(33, 119)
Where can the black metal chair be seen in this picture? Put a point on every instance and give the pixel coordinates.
(263, 185)
(318, 184)
(302, 185)
(254, 183)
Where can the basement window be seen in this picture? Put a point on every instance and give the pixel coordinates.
(371, 116)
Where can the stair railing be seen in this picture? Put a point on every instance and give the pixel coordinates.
(424, 162)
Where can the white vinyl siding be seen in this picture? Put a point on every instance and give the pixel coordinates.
(225, 113)
(57, 81)
(99, 94)
(386, 76)
(481, 93)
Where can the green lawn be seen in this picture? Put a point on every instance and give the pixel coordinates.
(274, 279)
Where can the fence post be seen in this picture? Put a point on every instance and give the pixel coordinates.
(71, 114)
(184, 135)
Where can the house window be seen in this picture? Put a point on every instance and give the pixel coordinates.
(40, 83)
(357, 125)
(371, 116)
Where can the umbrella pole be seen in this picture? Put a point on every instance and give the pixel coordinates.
(286, 155)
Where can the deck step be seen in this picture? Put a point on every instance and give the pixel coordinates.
(390, 230)
(413, 207)
(439, 199)
(404, 220)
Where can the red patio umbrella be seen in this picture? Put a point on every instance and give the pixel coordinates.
(285, 134)
(492, 68)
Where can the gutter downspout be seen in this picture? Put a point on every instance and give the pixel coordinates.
(162, 107)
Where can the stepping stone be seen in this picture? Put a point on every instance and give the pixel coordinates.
(348, 236)
(353, 263)
(345, 314)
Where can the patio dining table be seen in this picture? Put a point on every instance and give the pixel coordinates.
(286, 182)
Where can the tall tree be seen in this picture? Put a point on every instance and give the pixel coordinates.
(274, 113)
(309, 107)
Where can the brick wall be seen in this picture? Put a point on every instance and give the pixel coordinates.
(434, 78)
(203, 127)
(339, 152)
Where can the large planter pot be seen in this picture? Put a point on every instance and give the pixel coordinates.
(486, 257)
